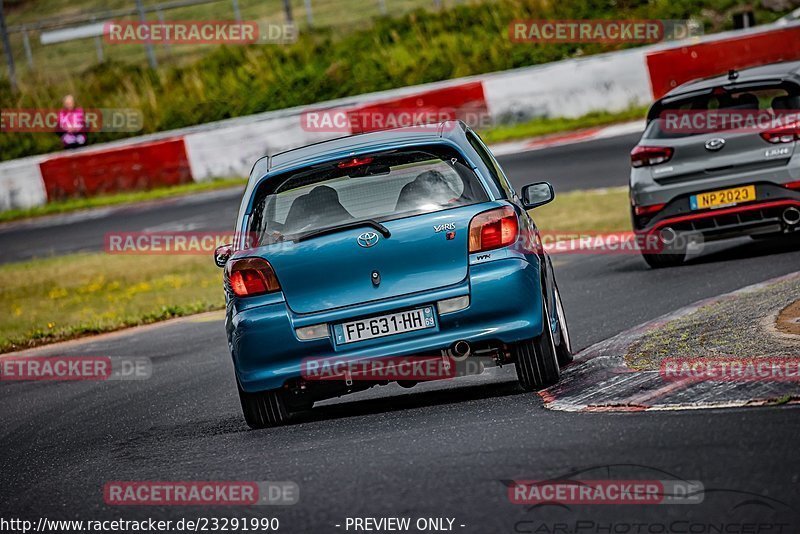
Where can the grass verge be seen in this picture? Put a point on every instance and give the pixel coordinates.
(83, 294)
(598, 210)
(76, 204)
(546, 126)
(54, 299)
(741, 326)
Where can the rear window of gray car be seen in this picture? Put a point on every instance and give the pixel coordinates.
(783, 98)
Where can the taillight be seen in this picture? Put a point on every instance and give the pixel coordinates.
(792, 185)
(493, 229)
(648, 210)
(251, 276)
(354, 162)
(646, 156)
(784, 134)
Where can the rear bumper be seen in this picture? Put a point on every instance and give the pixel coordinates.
(750, 219)
(763, 215)
(505, 306)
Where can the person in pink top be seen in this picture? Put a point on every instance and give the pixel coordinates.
(71, 124)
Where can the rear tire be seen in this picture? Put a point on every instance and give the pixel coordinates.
(264, 409)
(667, 255)
(536, 360)
(563, 342)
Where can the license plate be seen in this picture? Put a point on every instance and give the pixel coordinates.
(384, 325)
(723, 197)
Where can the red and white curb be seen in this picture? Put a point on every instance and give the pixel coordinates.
(567, 138)
(599, 381)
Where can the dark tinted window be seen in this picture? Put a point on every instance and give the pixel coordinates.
(772, 99)
(381, 186)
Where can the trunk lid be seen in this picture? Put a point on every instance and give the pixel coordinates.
(708, 155)
(334, 270)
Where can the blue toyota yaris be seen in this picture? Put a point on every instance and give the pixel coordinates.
(390, 244)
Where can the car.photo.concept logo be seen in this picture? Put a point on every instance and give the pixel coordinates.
(619, 498)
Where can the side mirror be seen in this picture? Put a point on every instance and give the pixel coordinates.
(538, 194)
(222, 254)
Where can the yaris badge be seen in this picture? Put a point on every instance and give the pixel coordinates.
(368, 239)
(715, 144)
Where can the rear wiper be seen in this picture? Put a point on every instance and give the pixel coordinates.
(346, 226)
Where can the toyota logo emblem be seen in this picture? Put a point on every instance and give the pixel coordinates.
(368, 239)
(715, 144)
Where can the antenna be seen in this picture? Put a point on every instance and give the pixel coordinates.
(733, 74)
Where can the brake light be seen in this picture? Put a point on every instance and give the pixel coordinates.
(251, 276)
(792, 185)
(784, 134)
(493, 229)
(648, 210)
(646, 156)
(354, 162)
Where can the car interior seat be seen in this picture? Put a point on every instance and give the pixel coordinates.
(319, 207)
(429, 187)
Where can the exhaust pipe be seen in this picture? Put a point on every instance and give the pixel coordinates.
(461, 350)
(791, 216)
(668, 235)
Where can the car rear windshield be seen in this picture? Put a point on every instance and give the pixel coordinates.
(382, 186)
(772, 98)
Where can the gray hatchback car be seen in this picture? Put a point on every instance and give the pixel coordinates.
(719, 159)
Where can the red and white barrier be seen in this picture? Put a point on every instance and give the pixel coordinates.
(568, 88)
(21, 184)
(233, 147)
(674, 66)
(95, 172)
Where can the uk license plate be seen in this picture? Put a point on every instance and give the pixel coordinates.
(384, 325)
(723, 197)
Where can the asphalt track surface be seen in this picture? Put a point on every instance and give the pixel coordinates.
(593, 164)
(443, 449)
